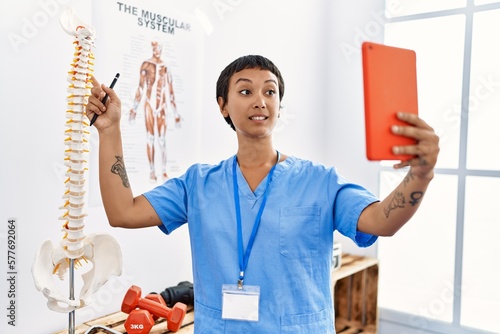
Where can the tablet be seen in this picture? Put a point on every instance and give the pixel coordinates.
(390, 85)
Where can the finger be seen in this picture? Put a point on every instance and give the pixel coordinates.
(405, 163)
(94, 81)
(402, 164)
(406, 131)
(417, 133)
(96, 88)
(413, 119)
(112, 96)
(92, 109)
(428, 145)
(412, 150)
(94, 105)
(416, 161)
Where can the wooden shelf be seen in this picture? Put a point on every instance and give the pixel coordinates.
(355, 289)
(116, 322)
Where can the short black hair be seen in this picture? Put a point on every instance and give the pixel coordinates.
(242, 63)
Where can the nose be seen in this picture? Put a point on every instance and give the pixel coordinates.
(259, 101)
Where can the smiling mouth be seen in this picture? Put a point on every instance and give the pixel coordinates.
(258, 118)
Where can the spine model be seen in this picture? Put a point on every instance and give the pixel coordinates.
(77, 143)
(101, 250)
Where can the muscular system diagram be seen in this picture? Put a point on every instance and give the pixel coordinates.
(156, 92)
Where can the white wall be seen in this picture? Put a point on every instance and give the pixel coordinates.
(351, 22)
(322, 121)
(291, 34)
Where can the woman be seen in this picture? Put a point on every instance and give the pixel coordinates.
(261, 223)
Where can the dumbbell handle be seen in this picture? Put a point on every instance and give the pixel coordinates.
(154, 308)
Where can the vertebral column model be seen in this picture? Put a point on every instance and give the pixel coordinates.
(100, 249)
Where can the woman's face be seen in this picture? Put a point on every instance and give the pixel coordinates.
(252, 102)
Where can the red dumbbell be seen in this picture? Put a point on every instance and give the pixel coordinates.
(139, 322)
(156, 298)
(174, 316)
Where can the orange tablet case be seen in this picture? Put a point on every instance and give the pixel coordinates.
(390, 85)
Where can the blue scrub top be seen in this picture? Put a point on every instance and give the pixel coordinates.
(291, 256)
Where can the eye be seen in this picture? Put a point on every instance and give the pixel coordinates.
(245, 92)
(271, 92)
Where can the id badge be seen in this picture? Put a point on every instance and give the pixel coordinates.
(240, 304)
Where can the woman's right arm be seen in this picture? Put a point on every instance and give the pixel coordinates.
(122, 208)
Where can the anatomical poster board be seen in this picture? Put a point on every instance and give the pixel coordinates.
(158, 53)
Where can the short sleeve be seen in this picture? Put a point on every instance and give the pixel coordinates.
(169, 200)
(350, 202)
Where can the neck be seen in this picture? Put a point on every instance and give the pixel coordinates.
(256, 156)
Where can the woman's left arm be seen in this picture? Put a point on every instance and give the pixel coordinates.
(386, 217)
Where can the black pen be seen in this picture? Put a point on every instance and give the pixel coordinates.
(105, 98)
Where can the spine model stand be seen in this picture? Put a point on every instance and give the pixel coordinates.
(75, 248)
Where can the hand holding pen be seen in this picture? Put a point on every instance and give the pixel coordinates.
(105, 98)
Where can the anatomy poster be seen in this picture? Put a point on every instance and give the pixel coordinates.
(158, 53)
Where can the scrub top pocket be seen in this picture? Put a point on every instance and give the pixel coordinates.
(300, 231)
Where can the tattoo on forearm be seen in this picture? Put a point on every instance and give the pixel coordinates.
(416, 196)
(398, 201)
(118, 168)
(408, 178)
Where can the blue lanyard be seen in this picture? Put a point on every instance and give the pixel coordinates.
(243, 260)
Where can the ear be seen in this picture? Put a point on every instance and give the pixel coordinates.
(222, 106)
